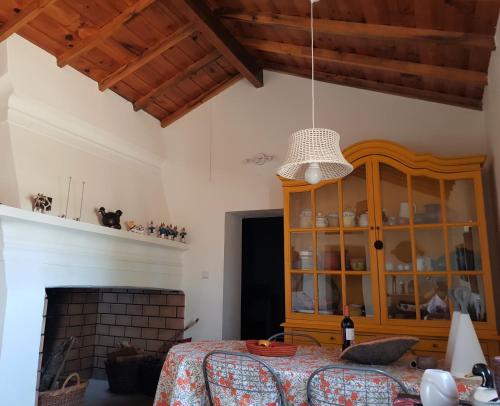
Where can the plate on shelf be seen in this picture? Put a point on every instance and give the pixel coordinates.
(275, 349)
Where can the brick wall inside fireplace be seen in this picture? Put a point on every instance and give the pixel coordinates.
(102, 318)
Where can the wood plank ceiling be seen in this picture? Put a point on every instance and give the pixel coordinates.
(169, 56)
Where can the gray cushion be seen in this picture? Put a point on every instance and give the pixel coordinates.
(381, 351)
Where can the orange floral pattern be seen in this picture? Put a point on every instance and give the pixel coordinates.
(182, 383)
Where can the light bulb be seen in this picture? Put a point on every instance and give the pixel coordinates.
(313, 173)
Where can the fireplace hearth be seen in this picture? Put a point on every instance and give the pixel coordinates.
(101, 319)
(41, 255)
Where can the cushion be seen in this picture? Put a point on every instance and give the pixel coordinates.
(381, 351)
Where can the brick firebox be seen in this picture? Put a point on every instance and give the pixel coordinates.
(102, 318)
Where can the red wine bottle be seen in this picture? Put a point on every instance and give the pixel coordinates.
(347, 326)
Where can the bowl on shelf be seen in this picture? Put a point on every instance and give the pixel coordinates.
(356, 310)
(358, 264)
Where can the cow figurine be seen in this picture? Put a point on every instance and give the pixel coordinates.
(110, 219)
(42, 203)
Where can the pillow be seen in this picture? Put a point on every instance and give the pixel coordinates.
(380, 351)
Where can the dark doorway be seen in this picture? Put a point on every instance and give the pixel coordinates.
(262, 279)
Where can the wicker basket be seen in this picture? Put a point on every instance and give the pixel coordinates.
(67, 395)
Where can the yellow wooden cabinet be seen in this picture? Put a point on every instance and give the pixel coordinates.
(388, 240)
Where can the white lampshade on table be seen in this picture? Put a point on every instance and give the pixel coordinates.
(314, 154)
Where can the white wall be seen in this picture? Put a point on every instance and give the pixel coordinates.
(492, 114)
(57, 124)
(205, 177)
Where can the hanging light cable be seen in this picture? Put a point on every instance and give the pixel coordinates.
(314, 153)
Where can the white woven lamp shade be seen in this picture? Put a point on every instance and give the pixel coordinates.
(311, 146)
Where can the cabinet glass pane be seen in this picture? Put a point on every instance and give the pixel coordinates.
(357, 251)
(397, 251)
(400, 297)
(327, 206)
(477, 303)
(300, 210)
(301, 252)
(464, 248)
(355, 210)
(302, 293)
(426, 200)
(430, 250)
(329, 252)
(394, 191)
(460, 200)
(329, 294)
(359, 295)
(433, 297)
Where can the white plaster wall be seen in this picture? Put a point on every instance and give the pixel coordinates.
(35, 73)
(492, 114)
(57, 124)
(205, 178)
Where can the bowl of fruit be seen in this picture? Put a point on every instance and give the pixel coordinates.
(268, 348)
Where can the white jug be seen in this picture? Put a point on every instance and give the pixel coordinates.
(438, 388)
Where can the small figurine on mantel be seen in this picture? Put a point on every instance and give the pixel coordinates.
(163, 231)
(182, 235)
(174, 233)
(110, 219)
(42, 203)
(151, 228)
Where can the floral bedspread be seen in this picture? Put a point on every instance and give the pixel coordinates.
(182, 384)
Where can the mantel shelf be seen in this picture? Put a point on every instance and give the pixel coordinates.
(45, 219)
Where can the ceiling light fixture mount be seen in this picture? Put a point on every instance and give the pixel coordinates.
(314, 154)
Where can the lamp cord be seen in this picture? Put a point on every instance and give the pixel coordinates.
(312, 63)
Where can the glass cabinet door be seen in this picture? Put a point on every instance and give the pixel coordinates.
(429, 242)
(344, 264)
(329, 248)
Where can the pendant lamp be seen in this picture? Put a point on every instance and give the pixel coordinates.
(314, 153)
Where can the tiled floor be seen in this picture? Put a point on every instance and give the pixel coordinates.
(97, 394)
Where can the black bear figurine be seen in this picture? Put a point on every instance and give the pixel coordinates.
(110, 219)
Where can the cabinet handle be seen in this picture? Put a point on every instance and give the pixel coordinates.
(372, 228)
(332, 338)
(378, 245)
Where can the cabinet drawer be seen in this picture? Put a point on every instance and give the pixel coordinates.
(431, 345)
(322, 337)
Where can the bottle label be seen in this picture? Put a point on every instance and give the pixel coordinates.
(349, 334)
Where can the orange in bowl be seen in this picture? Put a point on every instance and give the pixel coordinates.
(274, 349)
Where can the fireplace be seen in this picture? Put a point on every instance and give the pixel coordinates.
(41, 255)
(101, 319)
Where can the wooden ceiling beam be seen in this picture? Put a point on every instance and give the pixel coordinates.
(421, 94)
(202, 98)
(365, 30)
(102, 33)
(148, 55)
(176, 79)
(23, 16)
(369, 62)
(220, 37)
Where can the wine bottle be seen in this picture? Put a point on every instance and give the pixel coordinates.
(347, 326)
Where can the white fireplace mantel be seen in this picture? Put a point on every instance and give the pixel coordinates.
(39, 251)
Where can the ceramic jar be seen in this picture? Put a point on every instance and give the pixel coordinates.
(333, 219)
(321, 220)
(349, 218)
(363, 219)
(306, 260)
(306, 218)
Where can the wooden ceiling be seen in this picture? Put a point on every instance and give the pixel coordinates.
(169, 56)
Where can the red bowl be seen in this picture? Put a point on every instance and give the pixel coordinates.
(275, 349)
